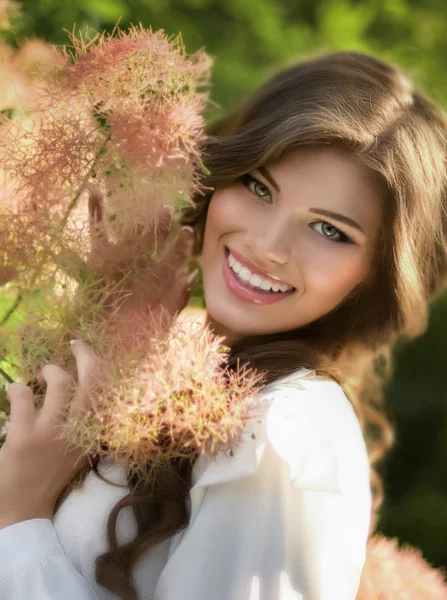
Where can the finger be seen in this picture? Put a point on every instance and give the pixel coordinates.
(179, 254)
(184, 297)
(189, 281)
(155, 237)
(23, 411)
(98, 232)
(179, 297)
(87, 365)
(59, 391)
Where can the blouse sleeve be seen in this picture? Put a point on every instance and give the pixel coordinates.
(294, 529)
(33, 565)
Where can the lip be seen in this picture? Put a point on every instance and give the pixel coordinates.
(254, 269)
(245, 293)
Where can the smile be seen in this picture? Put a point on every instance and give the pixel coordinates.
(250, 287)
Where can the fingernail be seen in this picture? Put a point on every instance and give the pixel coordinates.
(169, 208)
(192, 276)
(72, 342)
(189, 228)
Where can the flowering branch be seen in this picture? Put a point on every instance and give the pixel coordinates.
(119, 118)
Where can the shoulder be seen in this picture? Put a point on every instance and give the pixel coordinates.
(319, 403)
(312, 426)
(303, 429)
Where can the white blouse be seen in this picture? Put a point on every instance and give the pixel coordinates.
(285, 518)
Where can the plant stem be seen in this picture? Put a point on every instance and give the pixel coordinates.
(17, 301)
(6, 376)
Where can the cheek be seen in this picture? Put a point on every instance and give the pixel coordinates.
(335, 271)
(223, 215)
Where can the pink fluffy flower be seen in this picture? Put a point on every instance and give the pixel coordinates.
(121, 110)
(146, 95)
(179, 400)
(393, 573)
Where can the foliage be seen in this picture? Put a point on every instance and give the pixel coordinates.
(250, 39)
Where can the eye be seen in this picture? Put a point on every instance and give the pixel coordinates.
(255, 186)
(343, 238)
(262, 191)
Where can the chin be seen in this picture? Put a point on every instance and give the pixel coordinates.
(236, 321)
(227, 322)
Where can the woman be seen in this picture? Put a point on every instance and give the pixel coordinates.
(323, 236)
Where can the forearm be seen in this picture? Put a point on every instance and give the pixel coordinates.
(33, 565)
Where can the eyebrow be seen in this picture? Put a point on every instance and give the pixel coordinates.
(338, 217)
(318, 211)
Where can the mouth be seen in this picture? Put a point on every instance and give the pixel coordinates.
(242, 289)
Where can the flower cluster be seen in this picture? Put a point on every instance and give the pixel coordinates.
(399, 573)
(179, 401)
(119, 114)
(121, 110)
(151, 121)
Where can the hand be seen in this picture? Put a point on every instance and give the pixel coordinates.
(35, 465)
(156, 284)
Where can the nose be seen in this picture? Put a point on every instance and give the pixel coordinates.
(269, 244)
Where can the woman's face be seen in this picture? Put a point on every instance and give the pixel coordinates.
(267, 228)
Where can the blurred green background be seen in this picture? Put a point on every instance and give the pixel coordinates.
(249, 40)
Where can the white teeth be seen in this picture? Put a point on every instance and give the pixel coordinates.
(266, 285)
(255, 280)
(245, 274)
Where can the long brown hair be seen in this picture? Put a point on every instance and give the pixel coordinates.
(371, 110)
